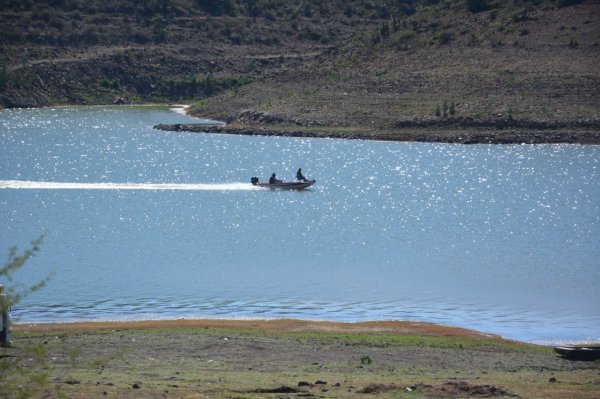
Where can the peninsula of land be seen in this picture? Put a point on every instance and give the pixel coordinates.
(461, 131)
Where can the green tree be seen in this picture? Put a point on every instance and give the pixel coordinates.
(209, 84)
(384, 31)
(18, 380)
(16, 261)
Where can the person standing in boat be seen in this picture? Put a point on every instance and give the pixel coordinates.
(300, 176)
(273, 179)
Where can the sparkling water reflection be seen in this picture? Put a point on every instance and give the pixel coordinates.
(150, 224)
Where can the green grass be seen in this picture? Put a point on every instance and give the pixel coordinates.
(369, 340)
(383, 341)
(324, 338)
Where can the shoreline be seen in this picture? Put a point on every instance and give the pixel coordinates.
(296, 325)
(396, 327)
(449, 131)
(463, 132)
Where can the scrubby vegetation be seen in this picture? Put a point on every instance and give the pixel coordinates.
(374, 62)
(68, 22)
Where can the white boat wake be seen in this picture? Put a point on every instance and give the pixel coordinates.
(40, 185)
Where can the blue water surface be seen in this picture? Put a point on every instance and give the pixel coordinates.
(142, 223)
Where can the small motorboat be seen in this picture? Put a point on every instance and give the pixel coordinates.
(586, 353)
(283, 185)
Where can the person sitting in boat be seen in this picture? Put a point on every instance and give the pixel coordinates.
(300, 176)
(273, 179)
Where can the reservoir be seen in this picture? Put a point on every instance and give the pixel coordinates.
(147, 224)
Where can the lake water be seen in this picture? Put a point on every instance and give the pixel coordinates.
(144, 224)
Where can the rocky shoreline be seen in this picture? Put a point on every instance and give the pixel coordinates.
(460, 131)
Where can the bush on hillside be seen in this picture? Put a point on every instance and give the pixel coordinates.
(478, 5)
(3, 77)
(567, 3)
(216, 7)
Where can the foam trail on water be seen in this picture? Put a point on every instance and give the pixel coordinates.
(40, 185)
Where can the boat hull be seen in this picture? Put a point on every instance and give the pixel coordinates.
(301, 185)
(590, 353)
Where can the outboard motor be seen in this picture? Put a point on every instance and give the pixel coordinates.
(254, 181)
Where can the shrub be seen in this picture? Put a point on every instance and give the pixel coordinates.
(15, 262)
(447, 108)
(573, 43)
(473, 40)
(384, 31)
(520, 15)
(445, 37)
(110, 84)
(567, 3)
(89, 35)
(216, 7)
(141, 37)
(3, 77)
(407, 35)
(159, 30)
(56, 22)
(208, 84)
(477, 5)
(251, 66)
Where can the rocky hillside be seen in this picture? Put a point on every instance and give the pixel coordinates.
(348, 64)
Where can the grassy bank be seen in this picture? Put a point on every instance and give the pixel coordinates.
(254, 359)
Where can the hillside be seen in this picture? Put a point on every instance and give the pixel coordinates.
(361, 64)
